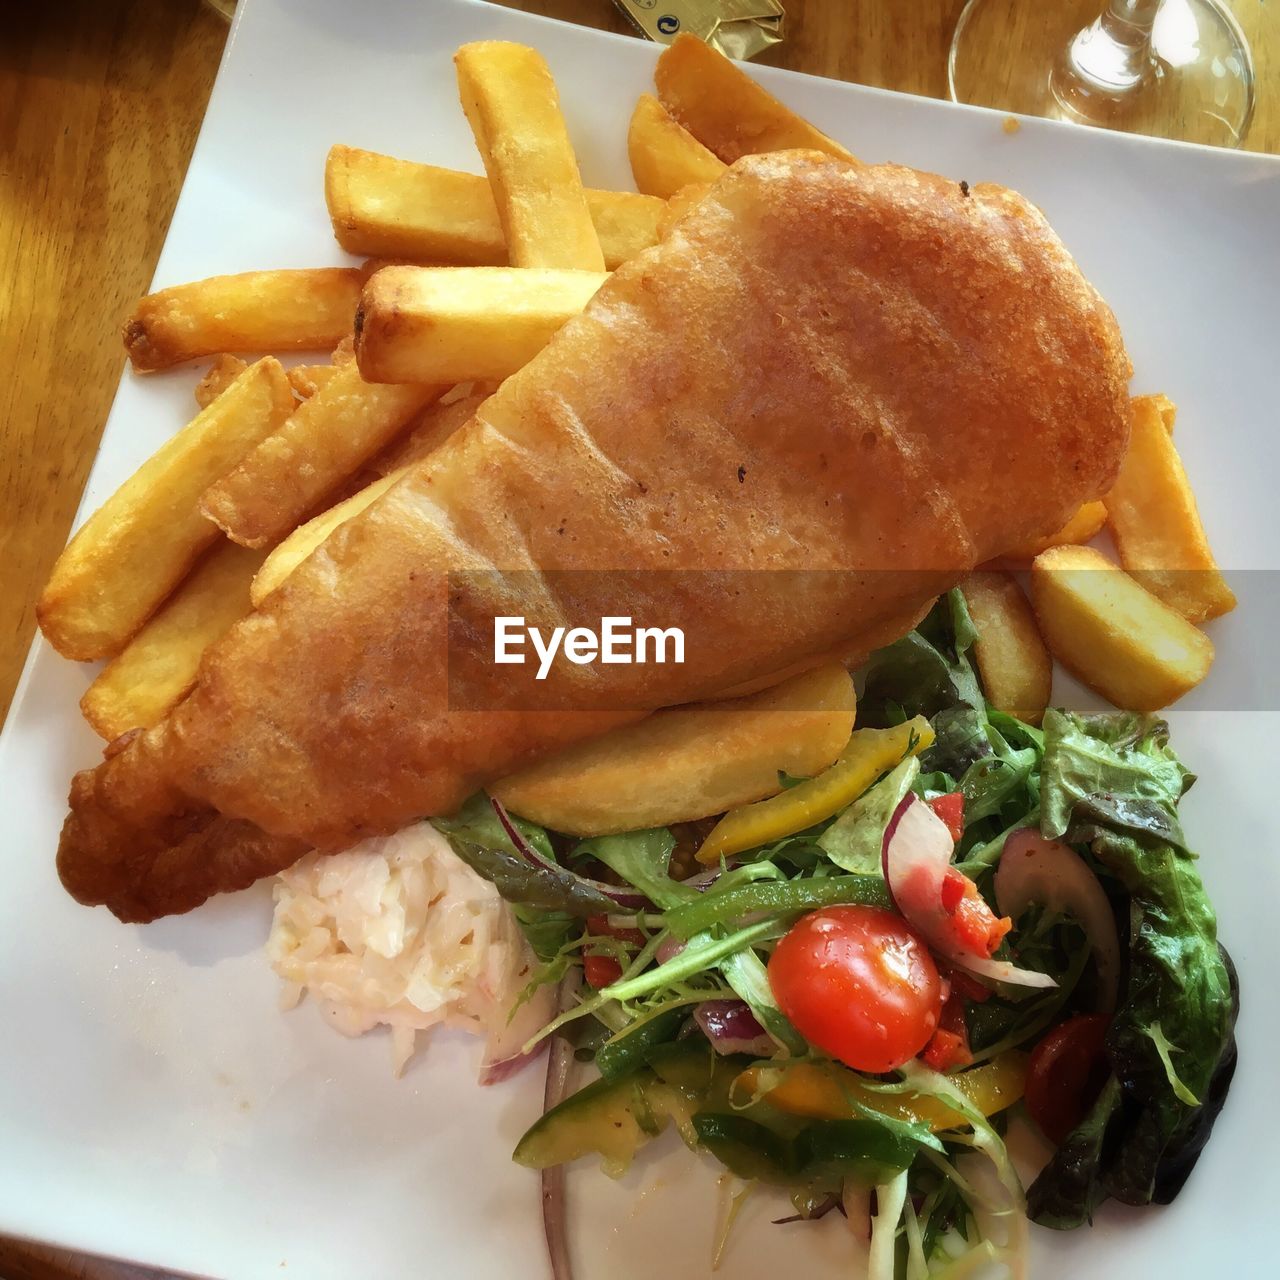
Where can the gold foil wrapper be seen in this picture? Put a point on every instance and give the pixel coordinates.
(737, 28)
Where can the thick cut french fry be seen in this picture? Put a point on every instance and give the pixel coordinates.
(510, 101)
(1113, 633)
(157, 667)
(141, 542)
(433, 426)
(726, 110)
(626, 222)
(307, 379)
(291, 472)
(306, 310)
(397, 209)
(224, 370)
(1156, 526)
(664, 155)
(680, 204)
(459, 324)
(689, 762)
(1016, 669)
(1166, 408)
(307, 537)
(1085, 524)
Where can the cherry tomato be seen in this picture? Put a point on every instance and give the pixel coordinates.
(950, 808)
(601, 970)
(859, 984)
(949, 1048)
(1065, 1074)
(973, 924)
(946, 1051)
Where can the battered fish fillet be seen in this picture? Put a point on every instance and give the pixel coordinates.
(827, 395)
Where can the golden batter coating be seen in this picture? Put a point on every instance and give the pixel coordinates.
(827, 395)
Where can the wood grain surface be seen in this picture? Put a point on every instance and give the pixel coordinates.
(100, 103)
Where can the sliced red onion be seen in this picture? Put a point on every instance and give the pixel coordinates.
(704, 879)
(504, 1050)
(559, 1060)
(732, 1028)
(1036, 870)
(505, 1068)
(889, 832)
(1003, 971)
(668, 949)
(856, 1205)
(916, 857)
(624, 897)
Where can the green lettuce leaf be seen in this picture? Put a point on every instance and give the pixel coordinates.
(1113, 783)
(854, 840)
(547, 902)
(642, 859)
(477, 824)
(1116, 770)
(925, 672)
(1066, 1193)
(994, 756)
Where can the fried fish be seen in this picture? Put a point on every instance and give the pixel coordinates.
(829, 393)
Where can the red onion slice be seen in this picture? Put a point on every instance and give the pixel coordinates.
(505, 1068)
(668, 949)
(624, 897)
(704, 879)
(732, 1028)
(1003, 971)
(504, 1050)
(1036, 870)
(916, 857)
(554, 1211)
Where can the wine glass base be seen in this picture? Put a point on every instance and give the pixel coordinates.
(1194, 82)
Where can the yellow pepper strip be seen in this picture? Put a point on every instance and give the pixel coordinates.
(870, 753)
(825, 1091)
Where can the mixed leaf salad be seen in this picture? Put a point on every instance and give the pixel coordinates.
(845, 989)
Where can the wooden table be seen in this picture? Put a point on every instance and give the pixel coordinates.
(100, 102)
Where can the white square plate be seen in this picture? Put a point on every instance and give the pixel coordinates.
(153, 1103)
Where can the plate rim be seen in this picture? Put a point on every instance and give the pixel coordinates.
(1270, 164)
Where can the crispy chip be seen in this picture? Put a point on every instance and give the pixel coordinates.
(307, 379)
(133, 551)
(307, 537)
(1113, 633)
(511, 103)
(400, 211)
(224, 370)
(432, 427)
(665, 156)
(154, 671)
(293, 471)
(689, 762)
(726, 110)
(1156, 524)
(255, 311)
(1016, 669)
(458, 324)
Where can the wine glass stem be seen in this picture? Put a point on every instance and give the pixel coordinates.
(1114, 53)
